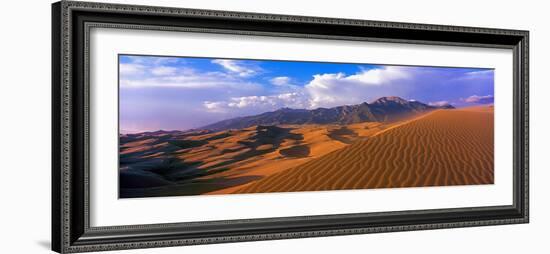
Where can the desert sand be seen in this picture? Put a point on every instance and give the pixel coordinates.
(439, 148)
(443, 147)
(223, 162)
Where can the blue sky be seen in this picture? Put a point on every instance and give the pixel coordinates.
(178, 93)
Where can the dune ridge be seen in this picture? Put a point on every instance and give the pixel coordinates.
(444, 147)
(204, 162)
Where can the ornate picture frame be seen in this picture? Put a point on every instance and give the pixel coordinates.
(71, 196)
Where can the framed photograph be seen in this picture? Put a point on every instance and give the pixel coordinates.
(181, 126)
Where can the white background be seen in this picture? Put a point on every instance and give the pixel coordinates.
(25, 128)
(107, 210)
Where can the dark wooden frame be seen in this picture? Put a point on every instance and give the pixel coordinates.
(71, 22)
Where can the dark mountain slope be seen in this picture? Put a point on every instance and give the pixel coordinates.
(381, 110)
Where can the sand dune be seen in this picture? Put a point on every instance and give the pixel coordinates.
(444, 147)
(223, 162)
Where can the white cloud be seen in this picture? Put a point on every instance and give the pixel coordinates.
(335, 89)
(477, 75)
(379, 76)
(486, 99)
(164, 71)
(159, 72)
(259, 103)
(324, 90)
(213, 106)
(153, 60)
(234, 67)
(280, 81)
(439, 103)
(141, 68)
(131, 69)
(480, 73)
(191, 81)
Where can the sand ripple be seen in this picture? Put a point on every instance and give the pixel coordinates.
(445, 147)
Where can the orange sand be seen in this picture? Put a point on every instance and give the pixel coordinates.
(444, 147)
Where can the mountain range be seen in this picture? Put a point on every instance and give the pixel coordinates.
(384, 109)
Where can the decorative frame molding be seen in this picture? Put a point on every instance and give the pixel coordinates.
(71, 22)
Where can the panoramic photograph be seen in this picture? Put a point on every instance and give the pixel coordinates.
(211, 126)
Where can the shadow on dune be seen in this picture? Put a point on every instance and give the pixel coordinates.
(158, 172)
(343, 134)
(265, 135)
(194, 187)
(298, 151)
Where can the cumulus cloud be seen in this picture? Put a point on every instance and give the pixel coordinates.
(338, 88)
(220, 88)
(380, 76)
(214, 106)
(280, 81)
(486, 99)
(236, 67)
(264, 102)
(324, 90)
(439, 103)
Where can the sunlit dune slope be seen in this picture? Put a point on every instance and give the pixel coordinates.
(157, 164)
(444, 147)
